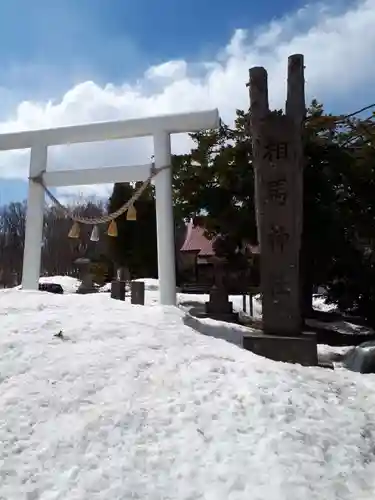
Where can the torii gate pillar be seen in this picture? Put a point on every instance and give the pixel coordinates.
(165, 220)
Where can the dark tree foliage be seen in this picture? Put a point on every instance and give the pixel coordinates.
(135, 247)
(216, 179)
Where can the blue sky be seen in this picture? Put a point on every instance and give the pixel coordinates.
(49, 46)
(46, 45)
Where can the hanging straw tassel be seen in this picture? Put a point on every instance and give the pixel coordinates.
(112, 229)
(74, 231)
(95, 234)
(131, 213)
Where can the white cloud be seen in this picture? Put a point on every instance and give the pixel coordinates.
(339, 51)
(171, 70)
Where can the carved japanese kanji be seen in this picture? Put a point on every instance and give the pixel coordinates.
(277, 190)
(277, 159)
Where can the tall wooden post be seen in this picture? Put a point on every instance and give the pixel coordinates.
(278, 162)
(259, 110)
(296, 110)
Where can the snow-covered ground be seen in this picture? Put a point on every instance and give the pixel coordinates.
(223, 330)
(132, 403)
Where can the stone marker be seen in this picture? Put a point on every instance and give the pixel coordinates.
(137, 289)
(280, 245)
(118, 289)
(301, 349)
(278, 166)
(87, 283)
(219, 307)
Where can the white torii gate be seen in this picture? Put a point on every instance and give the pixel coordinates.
(159, 127)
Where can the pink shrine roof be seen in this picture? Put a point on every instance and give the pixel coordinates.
(195, 241)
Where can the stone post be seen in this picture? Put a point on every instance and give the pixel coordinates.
(137, 292)
(278, 166)
(118, 289)
(277, 157)
(118, 286)
(278, 163)
(219, 307)
(87, 283)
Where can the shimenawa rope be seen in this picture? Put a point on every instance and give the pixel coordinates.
(103, 218)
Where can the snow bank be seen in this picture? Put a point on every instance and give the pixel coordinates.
(361, 358)
(132, 403)
(217, 329)
(333, 351)
(151, 284)
(234, 333)
(343, 327)
(320, 304)
(69, 284)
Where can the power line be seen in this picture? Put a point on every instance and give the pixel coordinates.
(341, 119)
(359, 111)
(361, 125)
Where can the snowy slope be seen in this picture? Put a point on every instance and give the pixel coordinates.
(133, 404)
